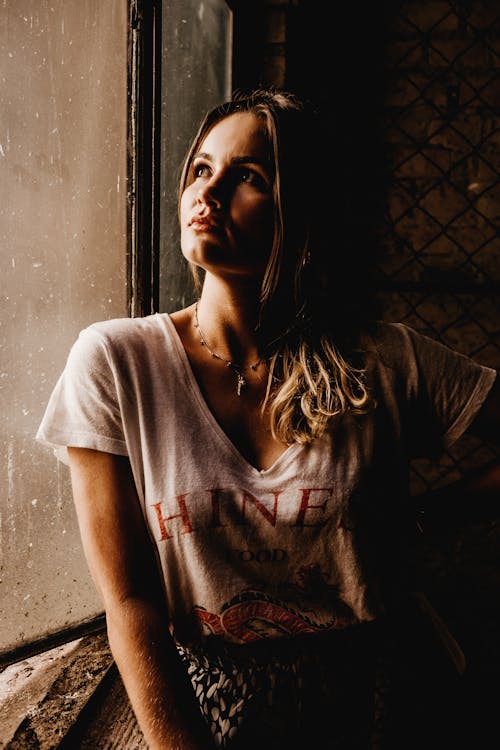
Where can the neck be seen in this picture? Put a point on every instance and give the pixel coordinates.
(227, 318)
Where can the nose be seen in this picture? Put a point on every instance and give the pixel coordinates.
(209, 194)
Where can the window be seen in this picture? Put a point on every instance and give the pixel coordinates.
(99, 102)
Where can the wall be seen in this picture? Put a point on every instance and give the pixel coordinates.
(63, 225)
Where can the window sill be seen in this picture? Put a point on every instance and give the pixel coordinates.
(70, 697)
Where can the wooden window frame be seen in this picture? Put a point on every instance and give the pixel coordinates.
(143, 138)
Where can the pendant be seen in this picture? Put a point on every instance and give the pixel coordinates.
(241, 383)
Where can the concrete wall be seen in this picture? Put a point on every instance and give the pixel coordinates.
(63, 116)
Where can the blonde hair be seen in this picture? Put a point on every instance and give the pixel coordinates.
(314, 387)
(311, 381)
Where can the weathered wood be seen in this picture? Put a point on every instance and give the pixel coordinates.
(42, 697)
(109, 723)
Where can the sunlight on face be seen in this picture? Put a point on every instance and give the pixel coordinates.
(227, 205)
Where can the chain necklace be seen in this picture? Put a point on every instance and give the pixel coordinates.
(241, 381)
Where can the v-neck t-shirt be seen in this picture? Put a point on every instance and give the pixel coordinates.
(318, 541)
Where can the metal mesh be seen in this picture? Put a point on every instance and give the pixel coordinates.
(440, 268)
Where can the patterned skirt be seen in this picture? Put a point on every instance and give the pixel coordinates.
(371, 687)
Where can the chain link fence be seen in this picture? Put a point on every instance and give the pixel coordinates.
(440, 266)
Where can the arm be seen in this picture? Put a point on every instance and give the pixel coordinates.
(121, 561)
(476, 497)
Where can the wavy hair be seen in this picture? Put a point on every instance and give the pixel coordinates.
(307, 326)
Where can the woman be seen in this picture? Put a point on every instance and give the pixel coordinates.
(240, 467)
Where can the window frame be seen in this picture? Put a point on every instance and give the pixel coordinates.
(143, 138)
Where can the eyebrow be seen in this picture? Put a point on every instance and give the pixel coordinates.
(236, 160)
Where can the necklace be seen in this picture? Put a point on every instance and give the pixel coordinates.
(241, 382)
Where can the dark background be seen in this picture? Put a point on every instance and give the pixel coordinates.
(412, 90)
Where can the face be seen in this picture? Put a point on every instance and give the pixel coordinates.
(226, 209)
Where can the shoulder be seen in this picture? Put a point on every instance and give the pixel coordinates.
(122, 333)
(114, 342)
(389, 345)
(125, 329)
(385, 336)
(397, 345)
(397, 353)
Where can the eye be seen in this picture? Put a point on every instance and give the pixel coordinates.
(246, 175)
(250, 177)
(200, 170)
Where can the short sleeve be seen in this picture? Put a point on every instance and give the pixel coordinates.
(440, 390)
(84, 407)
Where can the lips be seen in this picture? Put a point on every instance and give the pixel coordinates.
(204, 223)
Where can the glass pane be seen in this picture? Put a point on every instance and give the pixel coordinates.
(63, 217)
(196, 75)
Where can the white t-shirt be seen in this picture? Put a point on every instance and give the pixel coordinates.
(315, 542)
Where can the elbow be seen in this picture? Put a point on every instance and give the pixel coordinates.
(134, 613)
